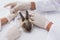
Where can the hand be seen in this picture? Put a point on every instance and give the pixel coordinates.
(16, 6)
(12, 5)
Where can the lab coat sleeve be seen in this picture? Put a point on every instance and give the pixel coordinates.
(22, 6)
(40, 21)
(11, 17)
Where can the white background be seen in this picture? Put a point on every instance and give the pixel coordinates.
(37, 34)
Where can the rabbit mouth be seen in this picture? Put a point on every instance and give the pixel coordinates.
(27, 26)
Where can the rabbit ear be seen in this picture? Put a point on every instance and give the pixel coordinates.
(27, 15)
(22, 16)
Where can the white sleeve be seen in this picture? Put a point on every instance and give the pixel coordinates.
(40, 21)
(11, 17)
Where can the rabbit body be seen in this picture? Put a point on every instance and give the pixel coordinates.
(13, 33)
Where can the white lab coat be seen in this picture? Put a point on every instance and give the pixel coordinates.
(47, 5)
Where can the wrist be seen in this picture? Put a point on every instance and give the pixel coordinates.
(33, 6)
(11, 17)
(49, 26)
(4, 21)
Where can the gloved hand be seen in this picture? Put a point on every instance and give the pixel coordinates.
(16, 6)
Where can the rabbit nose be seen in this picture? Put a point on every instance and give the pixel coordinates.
(25, 21)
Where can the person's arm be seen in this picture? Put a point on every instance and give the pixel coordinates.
(7, 19)
(3, 21)
(49, 26)
(16, 6)
(33, 6)
(41, 22)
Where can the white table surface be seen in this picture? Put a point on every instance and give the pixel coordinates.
(36, 34)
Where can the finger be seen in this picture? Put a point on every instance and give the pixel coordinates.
(31, 18)
(13, 5)
(10, 4)
(16, 9)
(13, 11)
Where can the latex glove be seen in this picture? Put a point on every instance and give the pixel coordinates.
(16, 6)
(10, 17)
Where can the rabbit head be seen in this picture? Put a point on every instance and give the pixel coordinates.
(26, 22)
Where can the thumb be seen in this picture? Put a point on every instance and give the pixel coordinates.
(11, 5)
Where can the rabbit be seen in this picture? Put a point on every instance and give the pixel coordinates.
(26, 22)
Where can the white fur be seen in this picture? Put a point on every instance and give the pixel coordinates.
(13, 33)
